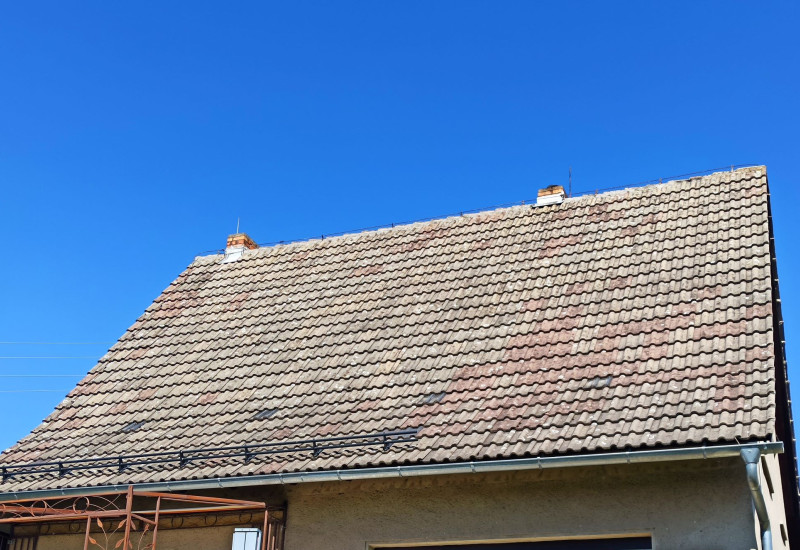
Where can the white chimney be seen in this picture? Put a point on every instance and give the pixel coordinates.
(551, 195)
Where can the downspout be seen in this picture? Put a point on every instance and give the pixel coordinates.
(751, 457)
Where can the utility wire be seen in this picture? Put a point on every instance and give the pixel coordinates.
(42, 375)
(35, 391)
(8, 343)
(49, 357)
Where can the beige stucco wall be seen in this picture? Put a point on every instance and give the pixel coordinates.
(218, 538)
(693, 505)
(774, 498)
(699, 505)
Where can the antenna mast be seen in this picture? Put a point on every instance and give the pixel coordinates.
(569, 194)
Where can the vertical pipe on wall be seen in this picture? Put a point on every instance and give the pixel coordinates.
(751, 459)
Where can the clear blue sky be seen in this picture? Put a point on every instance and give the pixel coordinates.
(132, 135)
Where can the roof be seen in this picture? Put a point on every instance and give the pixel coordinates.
(625, 320)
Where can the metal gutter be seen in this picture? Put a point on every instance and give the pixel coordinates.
(752, 458)
(476, 467)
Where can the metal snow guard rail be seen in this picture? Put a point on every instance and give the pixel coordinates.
(315, 446)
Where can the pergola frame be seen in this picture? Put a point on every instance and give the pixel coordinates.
(102, 511)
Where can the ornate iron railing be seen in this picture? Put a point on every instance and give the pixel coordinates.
(113, 522)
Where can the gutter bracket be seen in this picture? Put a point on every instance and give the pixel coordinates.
(752, 459)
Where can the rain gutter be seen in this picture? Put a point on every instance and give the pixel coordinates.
(507, 465)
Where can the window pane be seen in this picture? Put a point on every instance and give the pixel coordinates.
(246, 539)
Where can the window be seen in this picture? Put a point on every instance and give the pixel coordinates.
(18, 543)
(246, 538)
(251, 538)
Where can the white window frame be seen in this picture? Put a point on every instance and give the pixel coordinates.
(246, 538)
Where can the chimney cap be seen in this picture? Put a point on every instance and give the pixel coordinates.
(553, 194)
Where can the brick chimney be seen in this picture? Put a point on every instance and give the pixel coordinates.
(241, 239)
(236, 245)
(551, 195)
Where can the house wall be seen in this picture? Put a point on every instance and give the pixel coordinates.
(218, 538)
(692, 505)
(698, 506)
(769, 469)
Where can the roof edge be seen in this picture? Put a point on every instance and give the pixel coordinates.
(784, 423)
(667, 180)
(475, 467)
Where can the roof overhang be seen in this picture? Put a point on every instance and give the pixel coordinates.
(414, 470)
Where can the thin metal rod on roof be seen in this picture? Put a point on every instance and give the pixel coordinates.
(569, 194)
(182, 458)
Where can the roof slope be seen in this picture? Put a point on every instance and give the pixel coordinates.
(628, 319)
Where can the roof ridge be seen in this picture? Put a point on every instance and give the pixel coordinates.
(668, 180)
